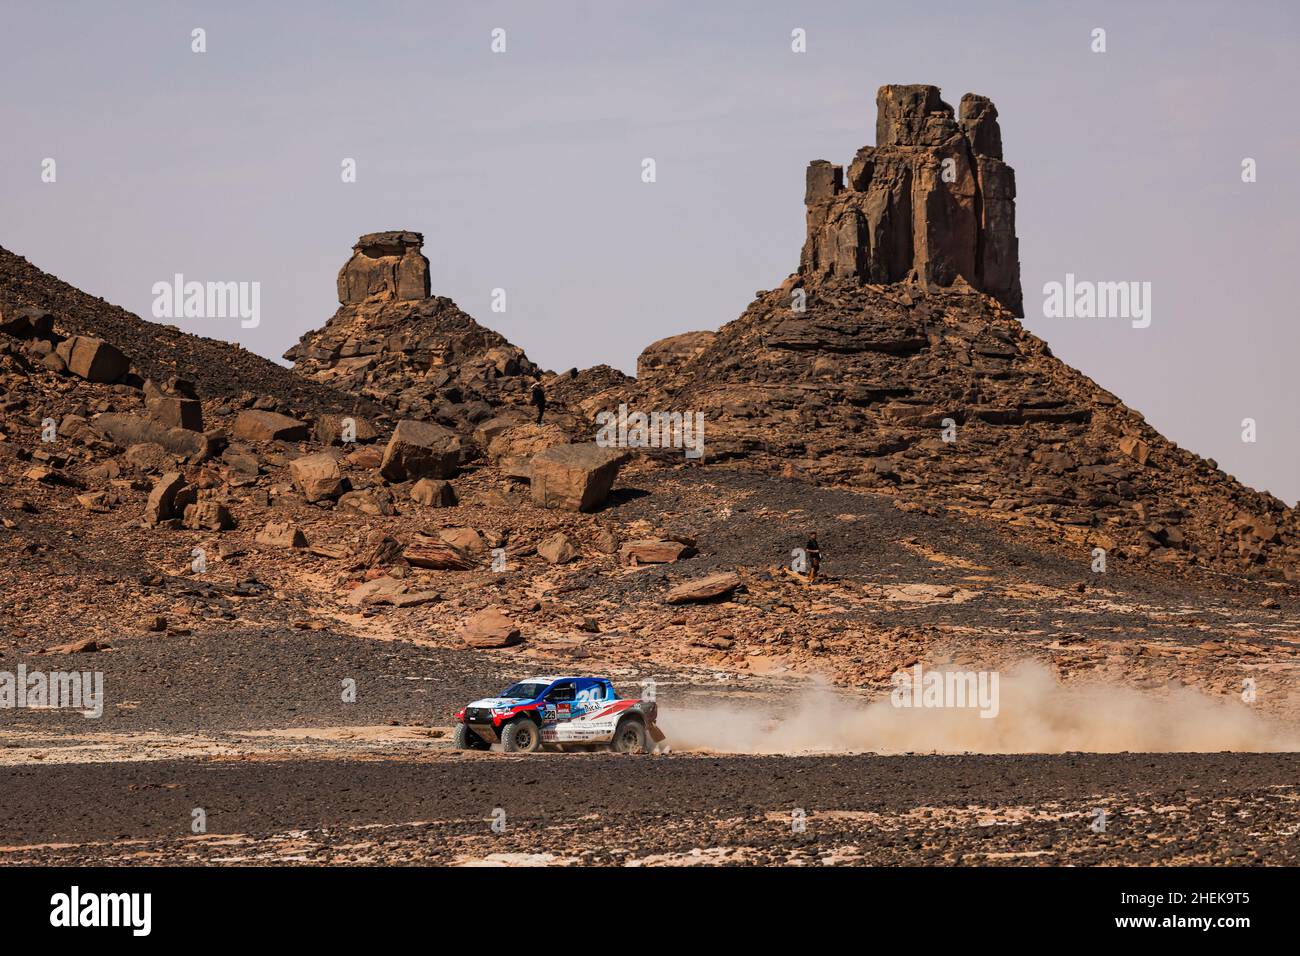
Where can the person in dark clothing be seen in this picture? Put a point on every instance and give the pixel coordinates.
(814, 552)
(539, 400)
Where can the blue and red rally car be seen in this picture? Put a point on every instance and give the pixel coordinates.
(559, 713)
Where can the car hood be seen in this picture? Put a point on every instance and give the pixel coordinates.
(499, 702)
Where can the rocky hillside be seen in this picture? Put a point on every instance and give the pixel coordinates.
(420, 355)
(219, 370)
(894, 361)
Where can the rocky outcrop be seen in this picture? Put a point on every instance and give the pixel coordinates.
(931, 202)
(671, 352)
(387, 265)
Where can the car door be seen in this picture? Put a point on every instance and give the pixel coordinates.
(558, 709)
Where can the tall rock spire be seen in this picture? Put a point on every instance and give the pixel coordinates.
(931, 201)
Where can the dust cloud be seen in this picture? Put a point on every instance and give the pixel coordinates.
(1036, 714)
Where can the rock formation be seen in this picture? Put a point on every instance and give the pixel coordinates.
(893, 360)
(420, 356)
(387, 264)
(932, 200)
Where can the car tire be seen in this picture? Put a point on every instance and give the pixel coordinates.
(521, 736)
(630, 736)
(466, 739)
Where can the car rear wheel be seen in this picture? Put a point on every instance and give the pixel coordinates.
(466, 739)
(521, 736)
(630, 736)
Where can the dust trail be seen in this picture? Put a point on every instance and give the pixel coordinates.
(1036, 714)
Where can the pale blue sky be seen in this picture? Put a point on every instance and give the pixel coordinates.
(523, 169)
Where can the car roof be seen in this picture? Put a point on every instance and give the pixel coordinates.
(554, 678)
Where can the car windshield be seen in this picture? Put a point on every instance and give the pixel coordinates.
(525, 690)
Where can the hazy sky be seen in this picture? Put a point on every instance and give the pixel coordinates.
(523, 169)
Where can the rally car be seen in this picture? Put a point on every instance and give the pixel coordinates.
(559, 713)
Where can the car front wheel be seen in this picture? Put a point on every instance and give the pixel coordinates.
(466, 739)
(521, 736)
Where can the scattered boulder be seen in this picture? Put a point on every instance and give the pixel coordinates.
(433, 493)
(84, 645)
(149, 457)
(525, 441)
(557, 549)
(334, 429)
(317, 476)
(254, 424)
(175, 411)
(420, 450)
(92, 359)
(653, 552)
(165, 498)
(25, 322)
(490, 628)
(390, 591)
(575, 477)
(208, 516)
(1135, 448)
(380, 548)
(706, 588)
(484, 432)
(280, 535)
(464, 539)
(126, 429)
(436, 554)
(372, 501)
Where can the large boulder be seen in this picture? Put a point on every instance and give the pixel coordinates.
(575, 477)
(420, 450)
(257, 425)
(125, 429)
(490, 628)
(92, 359)
(317, 476)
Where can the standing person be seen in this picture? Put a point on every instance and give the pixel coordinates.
(539, 400)
(814, 552)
